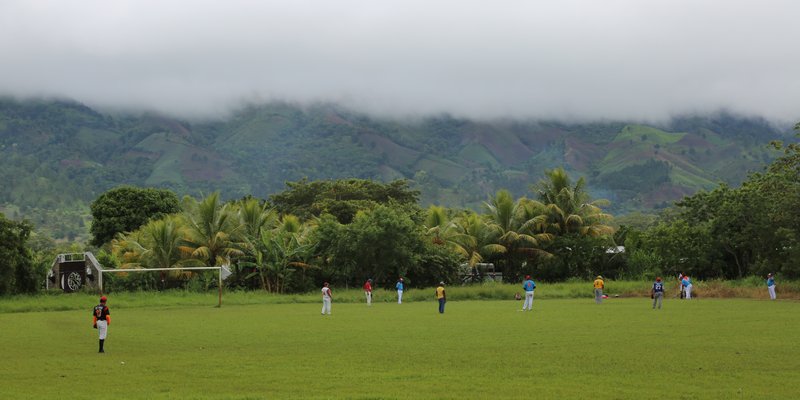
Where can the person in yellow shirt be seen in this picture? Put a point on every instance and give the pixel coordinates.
(440, 295)
(598, 289)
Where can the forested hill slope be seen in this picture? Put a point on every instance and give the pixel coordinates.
(56, 156)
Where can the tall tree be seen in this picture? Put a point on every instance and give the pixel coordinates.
(281, 252)
(16, 269)
(570, 209)
(126, 208)
(518, 230)
(341, 198)
(214, 232)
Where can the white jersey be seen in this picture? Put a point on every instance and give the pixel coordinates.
(326, 293)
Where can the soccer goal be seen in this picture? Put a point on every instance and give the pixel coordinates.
(224, 272)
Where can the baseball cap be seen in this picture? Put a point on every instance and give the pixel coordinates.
(658, 279)
(599, 277)
(103, 299)
(527, 277)
(441, 282)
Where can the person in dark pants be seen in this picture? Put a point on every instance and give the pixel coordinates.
(441, 296)
(101, 319)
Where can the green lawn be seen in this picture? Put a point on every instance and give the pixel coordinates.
(565, 348)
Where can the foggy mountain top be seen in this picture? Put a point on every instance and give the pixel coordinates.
(567, 60)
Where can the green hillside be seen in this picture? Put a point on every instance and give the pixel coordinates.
(58, 156)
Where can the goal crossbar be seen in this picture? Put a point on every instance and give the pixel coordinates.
(222, 270)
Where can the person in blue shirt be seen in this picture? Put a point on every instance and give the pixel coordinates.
(657, 293)
(771, 286)
(400, 286)
(528, 287)
(687, 286)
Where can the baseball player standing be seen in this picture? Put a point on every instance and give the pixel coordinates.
(101, 319)
(326, 299)
(599, 285)
(657, 293)
(687, 286)
(441, 296)
(368, 291)
(528, 287)
(400, 286)
(771, 286)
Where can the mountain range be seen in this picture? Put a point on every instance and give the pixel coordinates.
(57, 156)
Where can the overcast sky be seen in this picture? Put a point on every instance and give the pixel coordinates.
(627, 59)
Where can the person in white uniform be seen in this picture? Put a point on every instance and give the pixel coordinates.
(400, 286)
(326, 299)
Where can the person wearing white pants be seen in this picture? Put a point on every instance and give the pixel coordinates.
(771, 286)
(368, 291)
(528, 286)
(400, 286)
(326, 299)
(101, 318)
(687, 286)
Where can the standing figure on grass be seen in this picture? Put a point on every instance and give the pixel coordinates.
(326, 299)
(440, 295)
(368, 291)
(400, 286)
(687, 286)
(101, 319)
(681, 292)
(657, 293)
(528, 287)
(771, 286)
(598, 289)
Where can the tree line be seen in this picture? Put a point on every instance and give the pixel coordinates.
(346, 231)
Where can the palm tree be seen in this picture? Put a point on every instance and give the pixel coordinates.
(569, 209)
(579, 224)
(517, 227)
(473, 238)
(281, 251)
(214, 232)
(163, 238)
(439, 225)
(157, 244)
(256, 216)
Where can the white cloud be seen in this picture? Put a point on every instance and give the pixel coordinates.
(568, 59)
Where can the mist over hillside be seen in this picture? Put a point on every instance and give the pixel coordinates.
(58, 156)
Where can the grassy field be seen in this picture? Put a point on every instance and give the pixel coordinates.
(565, 348)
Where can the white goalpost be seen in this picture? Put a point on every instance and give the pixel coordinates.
(224, 272)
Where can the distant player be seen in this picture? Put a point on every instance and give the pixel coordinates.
(657, 293)
(771, 286)
(441, 297)
(326, 299)
(528, 287)
(368, 291)
(599, 285)
(687, 286)
(400, 286)
(101, 319)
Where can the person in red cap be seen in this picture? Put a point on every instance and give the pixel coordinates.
(101, 319)
(657, 293)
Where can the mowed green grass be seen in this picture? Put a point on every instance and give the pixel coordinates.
(565, 348)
